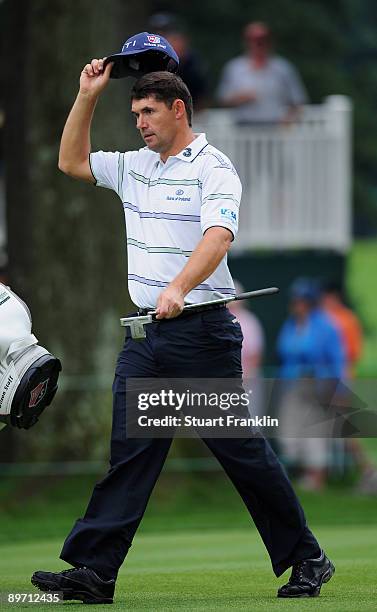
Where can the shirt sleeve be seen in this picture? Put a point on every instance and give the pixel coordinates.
(354, 338)
(105, 168)
(228, 84)
(109, 169)
(295, 91)
(221, 196)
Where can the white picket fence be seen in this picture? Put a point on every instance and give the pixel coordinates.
(297, 179)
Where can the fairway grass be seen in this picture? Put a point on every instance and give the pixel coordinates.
(217, 570)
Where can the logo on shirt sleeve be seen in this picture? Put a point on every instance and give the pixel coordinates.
(229, 214)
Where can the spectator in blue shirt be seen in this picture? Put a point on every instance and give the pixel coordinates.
(309, 344)
(311, 354)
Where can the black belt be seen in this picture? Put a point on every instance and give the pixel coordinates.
(184, 313)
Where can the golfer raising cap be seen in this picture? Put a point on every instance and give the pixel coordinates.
(140, 54)
(181, 199)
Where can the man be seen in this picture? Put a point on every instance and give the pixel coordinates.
(350, 330)
(253, 336)
(262, 88)
(252, 349)
(311, 355)
(347, 324)
(190, 64)
(181, 199)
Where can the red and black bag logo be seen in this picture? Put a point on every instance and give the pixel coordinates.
(37, 394)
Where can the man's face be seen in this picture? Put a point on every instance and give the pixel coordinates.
(257, 39)
(156, 123)
(300, 308)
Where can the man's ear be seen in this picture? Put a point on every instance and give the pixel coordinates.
(179, 108)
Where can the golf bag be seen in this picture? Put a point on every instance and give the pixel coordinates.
(28, 372)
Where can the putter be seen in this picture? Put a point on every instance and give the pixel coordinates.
(137, 324)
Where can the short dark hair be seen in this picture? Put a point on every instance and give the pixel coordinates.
(166, 87)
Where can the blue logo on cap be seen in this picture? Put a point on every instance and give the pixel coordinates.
(179, 192)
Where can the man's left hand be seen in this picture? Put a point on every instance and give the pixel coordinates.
(170, 303)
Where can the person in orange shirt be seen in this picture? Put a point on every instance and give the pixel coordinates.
(347, 324)
(351, 334)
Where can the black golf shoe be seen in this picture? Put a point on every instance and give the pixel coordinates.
(307, 577)
(77, 583)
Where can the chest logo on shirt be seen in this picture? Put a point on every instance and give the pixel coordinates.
(178, 197)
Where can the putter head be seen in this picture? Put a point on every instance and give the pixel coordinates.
(136, 325)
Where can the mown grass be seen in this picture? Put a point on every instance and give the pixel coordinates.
(33, 506)
(210, 570)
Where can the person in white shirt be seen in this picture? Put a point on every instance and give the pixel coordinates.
(262, 88)
(253, 336)
(181, 198)
(252, 350)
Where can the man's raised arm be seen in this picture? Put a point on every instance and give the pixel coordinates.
(75, 143)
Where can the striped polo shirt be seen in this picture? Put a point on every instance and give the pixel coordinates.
(168, 207)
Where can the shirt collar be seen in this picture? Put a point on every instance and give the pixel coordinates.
(189, 153)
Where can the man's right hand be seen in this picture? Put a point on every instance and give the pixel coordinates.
(94, 77)
(242, 97)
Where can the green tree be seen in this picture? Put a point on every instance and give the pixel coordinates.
(67, 253)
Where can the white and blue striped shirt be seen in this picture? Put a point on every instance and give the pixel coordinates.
(168, 207)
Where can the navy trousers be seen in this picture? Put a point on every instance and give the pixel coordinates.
(206, 345)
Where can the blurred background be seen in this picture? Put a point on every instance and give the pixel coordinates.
(287, 89)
